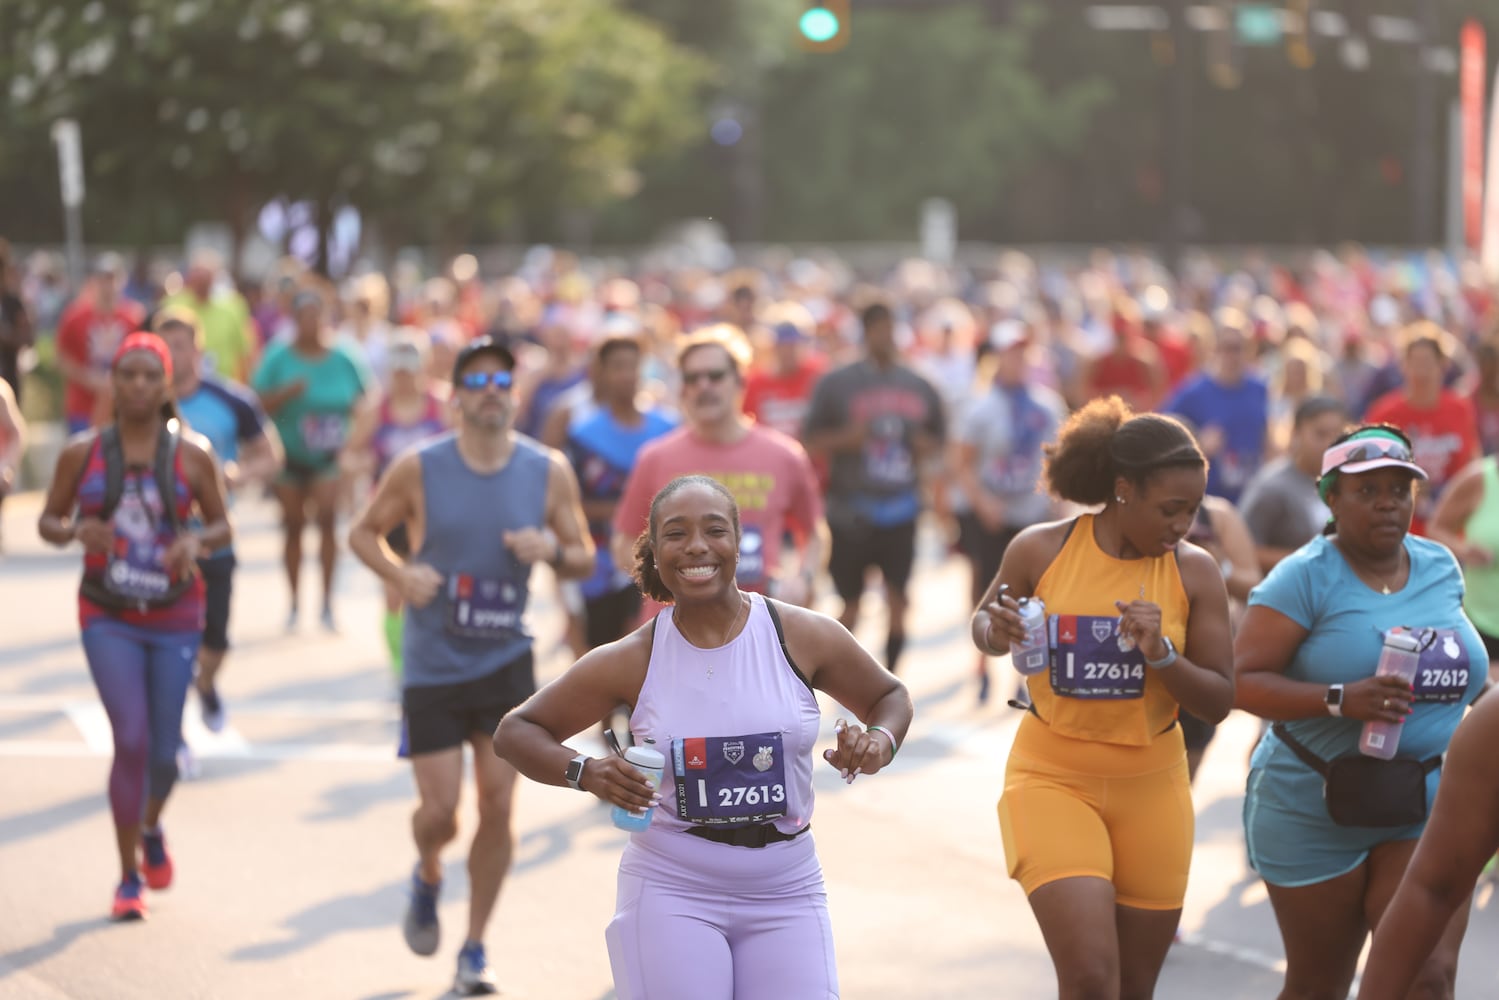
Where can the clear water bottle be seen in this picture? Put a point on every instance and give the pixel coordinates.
(652, 763)
(1398, 658)
(1032, 655)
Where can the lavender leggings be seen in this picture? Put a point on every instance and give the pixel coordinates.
(674, 938)
(142, 675)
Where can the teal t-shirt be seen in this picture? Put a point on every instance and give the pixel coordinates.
(1345, 618)
(314, 425)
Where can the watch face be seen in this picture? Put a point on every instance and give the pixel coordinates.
(1335, 694)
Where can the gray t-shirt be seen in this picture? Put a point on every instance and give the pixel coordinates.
(1007, 429)
(1282, 508)
(880, 482)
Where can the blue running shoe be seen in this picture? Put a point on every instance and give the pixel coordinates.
(421, 929)
(473, 978)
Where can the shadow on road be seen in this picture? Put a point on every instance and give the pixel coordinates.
(50, 819)
(62, 938)
(348, 801)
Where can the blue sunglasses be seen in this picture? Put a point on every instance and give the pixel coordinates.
(479, 380)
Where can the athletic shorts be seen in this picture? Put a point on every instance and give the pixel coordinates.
(611, 616)
(1074, 808)
(218, 588)
(1198, 734)
(1290, 837)
(443, 716)
(891, 549)
(983, 548)
(399, 541)
(305, 475)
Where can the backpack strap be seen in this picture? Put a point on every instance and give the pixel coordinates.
(113, 454)
(775, 619)
(167, 444)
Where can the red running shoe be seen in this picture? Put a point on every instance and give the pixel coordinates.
(156, 863)
(128, 904)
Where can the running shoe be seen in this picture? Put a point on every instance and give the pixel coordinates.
(187, 762)
(421, 929)
(128, 904)
(213, 710)
(156, 863)
(473, 978)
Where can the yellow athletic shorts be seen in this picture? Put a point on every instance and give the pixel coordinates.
(1076, 808)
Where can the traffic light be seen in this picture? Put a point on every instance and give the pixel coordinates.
(823, 26)
(1299, 34)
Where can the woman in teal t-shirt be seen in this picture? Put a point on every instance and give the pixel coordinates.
(310, 385)
(1306, 656)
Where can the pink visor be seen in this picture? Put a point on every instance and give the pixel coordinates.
(1363, 454)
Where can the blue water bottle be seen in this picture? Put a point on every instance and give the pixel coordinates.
(650, 762)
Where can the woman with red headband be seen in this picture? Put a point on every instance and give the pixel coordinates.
(140, 604)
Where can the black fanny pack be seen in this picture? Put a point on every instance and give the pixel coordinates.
(1366, 791)
(755, 835)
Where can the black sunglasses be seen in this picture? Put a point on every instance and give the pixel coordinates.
(711, 375)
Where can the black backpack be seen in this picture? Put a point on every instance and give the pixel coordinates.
(165, 472)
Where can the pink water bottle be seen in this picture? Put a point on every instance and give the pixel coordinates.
(1398, 658)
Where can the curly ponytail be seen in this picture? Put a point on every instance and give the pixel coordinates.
(1105, 440)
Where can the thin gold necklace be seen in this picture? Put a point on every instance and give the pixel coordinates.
(1384, 585)
(724, 640)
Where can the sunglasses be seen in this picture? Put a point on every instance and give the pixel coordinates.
(709, 375)
(1364, 450)
(481, 380)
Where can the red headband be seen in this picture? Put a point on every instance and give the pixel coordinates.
(145, 340)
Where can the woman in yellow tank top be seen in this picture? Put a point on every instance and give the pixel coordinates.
(1097, 811)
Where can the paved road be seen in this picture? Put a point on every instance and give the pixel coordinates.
(292, 848)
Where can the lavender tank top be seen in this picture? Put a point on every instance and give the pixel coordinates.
(746, 687)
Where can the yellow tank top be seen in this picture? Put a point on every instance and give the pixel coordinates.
(1093, 690)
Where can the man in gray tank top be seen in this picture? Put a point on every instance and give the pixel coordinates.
(481, 506)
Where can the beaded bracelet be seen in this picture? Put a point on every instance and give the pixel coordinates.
(889, 736)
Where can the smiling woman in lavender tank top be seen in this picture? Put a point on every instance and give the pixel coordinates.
(721, 897)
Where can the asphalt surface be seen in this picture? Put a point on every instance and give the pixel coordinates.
(292, 846)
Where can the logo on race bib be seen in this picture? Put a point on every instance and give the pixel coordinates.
(764, 759)
(119, 572)
(1451, 648)
(1102, 629)
(733, 752)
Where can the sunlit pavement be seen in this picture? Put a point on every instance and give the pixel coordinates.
(292, 845)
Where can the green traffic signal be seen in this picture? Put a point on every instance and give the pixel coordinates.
(819, 25)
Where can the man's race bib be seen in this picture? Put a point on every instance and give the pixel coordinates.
(480, 608)
(751, 571)
(1442, 673)
(887, 460)
(730, 780)
(1087, 662)
(324, 431)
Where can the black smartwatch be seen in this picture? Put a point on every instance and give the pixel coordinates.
(1334, 700)
(574, 772)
